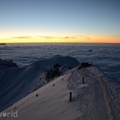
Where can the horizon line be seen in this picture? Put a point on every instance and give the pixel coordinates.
(60, 42)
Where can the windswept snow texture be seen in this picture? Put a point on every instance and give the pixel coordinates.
(52, 101)
(17, 82)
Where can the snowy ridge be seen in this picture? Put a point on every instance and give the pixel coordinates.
(51, 102)
(17, 82)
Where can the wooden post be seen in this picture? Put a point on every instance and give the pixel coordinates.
(36, 95)
(70, 97)
(83, 80)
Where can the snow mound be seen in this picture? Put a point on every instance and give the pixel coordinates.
(49, 62)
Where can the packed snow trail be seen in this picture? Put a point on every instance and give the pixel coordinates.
(52, 102)
(108, 101)
(92, 105)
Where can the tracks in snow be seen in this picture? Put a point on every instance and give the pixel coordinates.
(107, 98)
(94, 100)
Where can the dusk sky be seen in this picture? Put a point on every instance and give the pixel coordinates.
(59, 21)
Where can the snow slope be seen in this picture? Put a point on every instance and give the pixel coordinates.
(17, 82)
(52, 100)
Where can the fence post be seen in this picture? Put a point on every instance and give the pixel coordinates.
(83, 80)
(36, 95)
(70, 97)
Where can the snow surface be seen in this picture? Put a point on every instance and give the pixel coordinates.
(52, 103)
(17, 82)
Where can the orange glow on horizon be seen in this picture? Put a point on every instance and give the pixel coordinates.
(60, 39)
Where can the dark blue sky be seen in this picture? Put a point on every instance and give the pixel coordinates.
(76, 17)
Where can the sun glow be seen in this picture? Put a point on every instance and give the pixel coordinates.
(57, 38)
